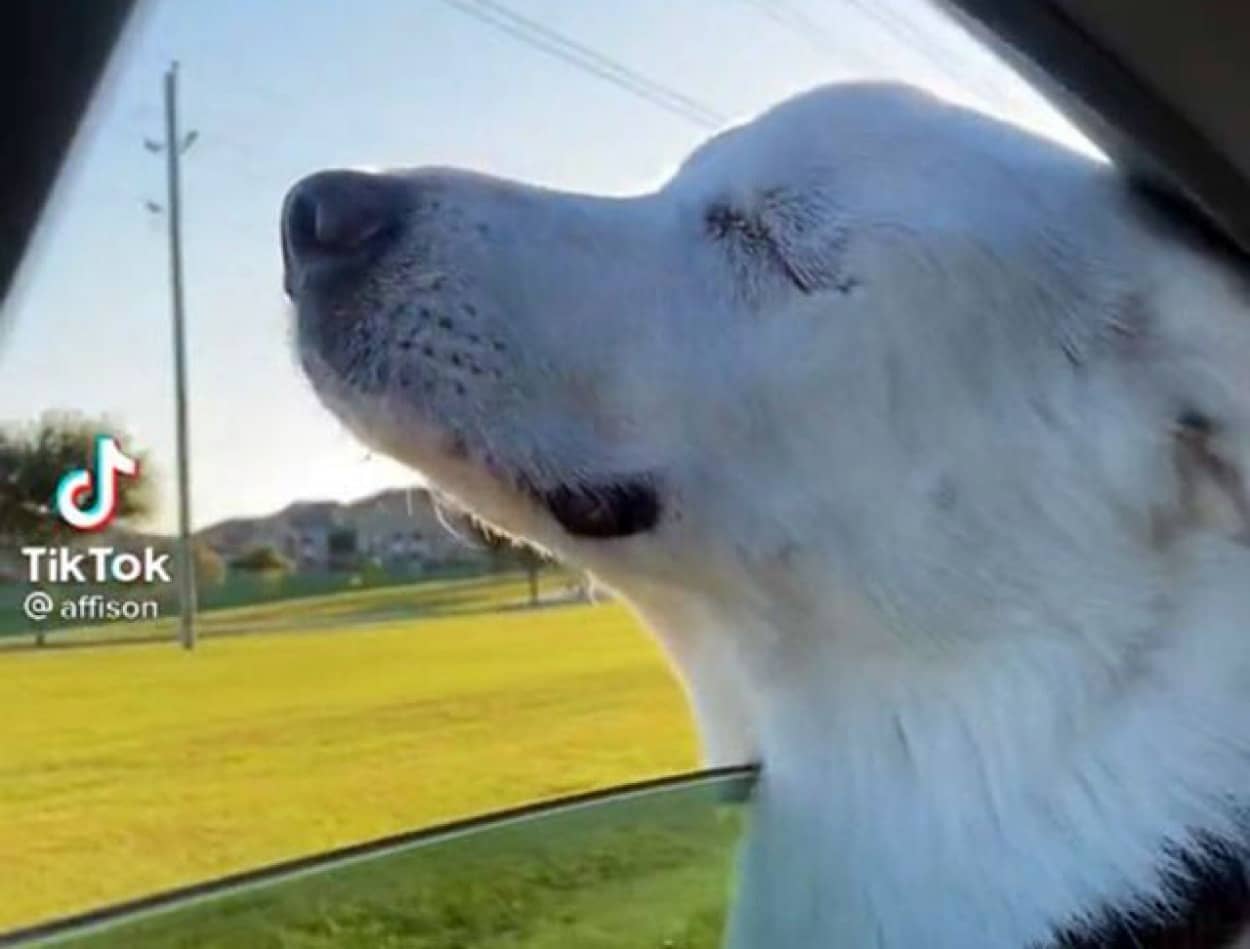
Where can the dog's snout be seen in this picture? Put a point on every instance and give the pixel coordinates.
(332, 220)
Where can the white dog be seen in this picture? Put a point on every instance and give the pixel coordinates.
(917, 440)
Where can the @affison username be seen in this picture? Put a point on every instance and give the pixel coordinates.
(40, 605)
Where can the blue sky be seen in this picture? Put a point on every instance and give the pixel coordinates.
(278, 88)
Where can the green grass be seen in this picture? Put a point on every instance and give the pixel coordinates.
(412, 601)
(238, 588)
(624, 875)
(129, 769)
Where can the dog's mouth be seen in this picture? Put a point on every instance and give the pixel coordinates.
(615, 509)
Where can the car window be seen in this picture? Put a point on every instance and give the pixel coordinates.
(641, 866)
(244, 622)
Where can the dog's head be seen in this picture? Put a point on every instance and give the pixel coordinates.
(862, 336)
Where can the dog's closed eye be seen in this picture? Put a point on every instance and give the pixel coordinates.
(750, 235)
(1213, 490)
(724, 221)
(799, 239)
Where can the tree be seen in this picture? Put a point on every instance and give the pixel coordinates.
(262, 559)
(210, 567)
(508, 553)
(33, 459)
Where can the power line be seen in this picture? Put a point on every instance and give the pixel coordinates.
(910, 36)
(580, 56)
(799, 23)
(787, 14)
(905, 34)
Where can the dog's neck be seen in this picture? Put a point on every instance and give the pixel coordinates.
(1018, 788)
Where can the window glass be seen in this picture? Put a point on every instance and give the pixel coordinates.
(358, 669)
(641, 868)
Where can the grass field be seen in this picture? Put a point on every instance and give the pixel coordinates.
(647, 871)
(336, 611)
(127, 769)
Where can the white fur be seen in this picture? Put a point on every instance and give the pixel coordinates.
(924, 552)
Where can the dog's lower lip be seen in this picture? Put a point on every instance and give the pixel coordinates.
(615, 509)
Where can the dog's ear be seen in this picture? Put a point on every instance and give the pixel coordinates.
(1211, 476)
(807, 232)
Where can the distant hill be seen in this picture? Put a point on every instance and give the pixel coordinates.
(396, 526)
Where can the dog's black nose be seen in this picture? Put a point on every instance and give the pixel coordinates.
(335, 220)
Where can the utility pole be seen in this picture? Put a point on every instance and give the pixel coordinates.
(174, 147)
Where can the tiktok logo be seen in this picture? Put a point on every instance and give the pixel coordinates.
(110, 462)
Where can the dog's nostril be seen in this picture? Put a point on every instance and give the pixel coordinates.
(332, 215)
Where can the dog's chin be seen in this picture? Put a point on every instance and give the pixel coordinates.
(587, 509)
